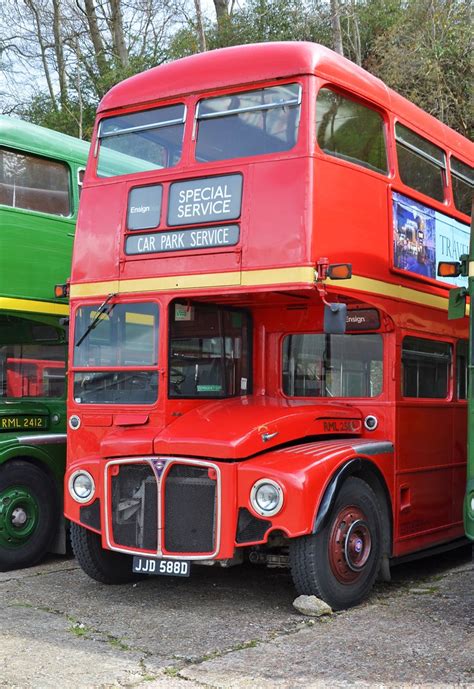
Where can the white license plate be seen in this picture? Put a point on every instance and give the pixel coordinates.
(161, 567)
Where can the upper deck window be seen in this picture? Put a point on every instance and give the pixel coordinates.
(463, 182)
(33, 183)
(421, 164)
(141, 141)
(351, 131)
(251, 123)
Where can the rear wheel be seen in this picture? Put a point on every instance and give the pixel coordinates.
(340, 563)
(29, 514)
(102, 565)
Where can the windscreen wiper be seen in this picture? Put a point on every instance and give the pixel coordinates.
(103, 309)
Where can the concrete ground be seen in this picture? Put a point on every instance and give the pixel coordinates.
(234, 628)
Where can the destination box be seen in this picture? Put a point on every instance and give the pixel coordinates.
(144, 207)
(205, 200)
(182, 240)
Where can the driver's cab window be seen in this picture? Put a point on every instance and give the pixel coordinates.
(209, 351)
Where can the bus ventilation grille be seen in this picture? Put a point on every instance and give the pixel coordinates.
(250, 528)
(190, 510)
(134, 506)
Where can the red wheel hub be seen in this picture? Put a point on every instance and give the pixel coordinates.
(350, 545)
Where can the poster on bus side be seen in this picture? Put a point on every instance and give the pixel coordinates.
(422, 237)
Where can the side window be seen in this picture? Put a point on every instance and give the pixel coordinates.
(421, 164)
(34, 183)
(462, 176)
(426, 368)
(317, 365)
(351, 131)
(462, 350)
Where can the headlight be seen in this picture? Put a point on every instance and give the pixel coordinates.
(81, 486)
(266, 497)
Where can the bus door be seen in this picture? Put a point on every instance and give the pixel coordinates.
(424, 424)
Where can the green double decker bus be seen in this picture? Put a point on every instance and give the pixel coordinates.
(40, 177)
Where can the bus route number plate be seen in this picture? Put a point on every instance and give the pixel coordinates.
(161, 567)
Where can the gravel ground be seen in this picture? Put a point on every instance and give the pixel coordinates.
(234, 628)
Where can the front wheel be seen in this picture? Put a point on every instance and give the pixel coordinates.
(340, 563)
(29, 514)
(102, 565)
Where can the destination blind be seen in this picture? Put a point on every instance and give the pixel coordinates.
(182, 240)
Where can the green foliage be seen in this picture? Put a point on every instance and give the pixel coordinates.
(426, 56)
(40, 110)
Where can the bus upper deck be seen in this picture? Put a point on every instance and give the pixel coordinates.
(40, 177)
(260, 162)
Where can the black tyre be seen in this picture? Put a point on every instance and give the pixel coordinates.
(102, 565)
(340, 563)
(29, 514)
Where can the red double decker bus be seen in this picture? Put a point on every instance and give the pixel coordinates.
(230, 398)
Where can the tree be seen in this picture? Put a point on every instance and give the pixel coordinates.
(71, 52)
(425, 55)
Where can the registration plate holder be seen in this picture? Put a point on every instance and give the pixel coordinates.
(161, 566)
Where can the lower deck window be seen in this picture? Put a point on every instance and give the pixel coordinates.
(32, 360)
(317, 365)
(426, 367)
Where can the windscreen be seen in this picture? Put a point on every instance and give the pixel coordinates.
(117, 345)
(32, 360)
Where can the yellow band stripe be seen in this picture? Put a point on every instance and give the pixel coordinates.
(33, 306)
(280, 277)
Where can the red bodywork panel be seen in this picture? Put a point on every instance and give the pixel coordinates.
(235, 429)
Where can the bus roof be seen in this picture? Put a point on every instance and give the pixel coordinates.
(30, 137)
(249, 64)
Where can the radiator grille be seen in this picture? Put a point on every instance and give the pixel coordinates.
(190, 510)
(134, 506)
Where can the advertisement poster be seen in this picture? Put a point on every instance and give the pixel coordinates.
(422, 237)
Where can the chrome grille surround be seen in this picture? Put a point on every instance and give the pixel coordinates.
(160, 475)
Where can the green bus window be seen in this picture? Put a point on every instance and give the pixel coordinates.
(462, 176)
(350, 131)
(317, 365)
(32, 360)
(251, 123)
(33, 183)
(426, 367)
(421, 164)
